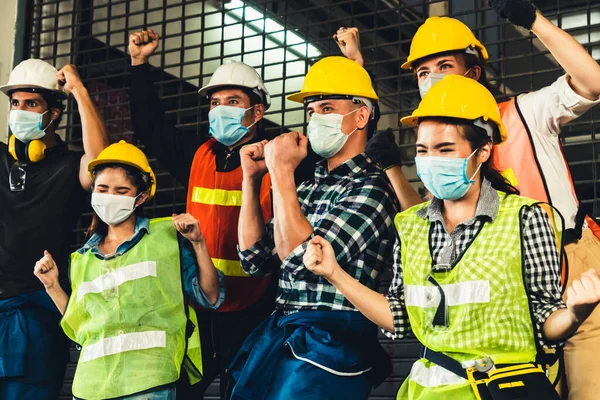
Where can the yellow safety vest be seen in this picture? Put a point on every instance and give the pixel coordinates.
(487, 302)
(129, 316)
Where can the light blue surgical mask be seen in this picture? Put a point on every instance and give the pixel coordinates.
(445, 177)
(27, 125)
(225, 124)
(325, 133)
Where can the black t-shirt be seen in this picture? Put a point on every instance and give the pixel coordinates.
(42, 217)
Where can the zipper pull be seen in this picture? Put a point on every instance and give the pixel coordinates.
(227, 155)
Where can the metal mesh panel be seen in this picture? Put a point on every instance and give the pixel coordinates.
(282, 39)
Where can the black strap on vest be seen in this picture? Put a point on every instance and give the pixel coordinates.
(443, 361)
(572, 235)
(441, 314)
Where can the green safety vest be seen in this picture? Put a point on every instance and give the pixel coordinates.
(129, 316)
(487, 301)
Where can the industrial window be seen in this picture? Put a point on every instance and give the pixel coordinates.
(281, 39)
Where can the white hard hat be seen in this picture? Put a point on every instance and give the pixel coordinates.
(34, 74)
(235, 73)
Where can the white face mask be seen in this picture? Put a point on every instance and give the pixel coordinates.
(325, 133)
(113, 209)
(432, 79)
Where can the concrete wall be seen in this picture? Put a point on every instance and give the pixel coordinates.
(8, 18)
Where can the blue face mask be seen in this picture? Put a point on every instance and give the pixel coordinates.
(27, 125)
(445, 177)
(225, 124)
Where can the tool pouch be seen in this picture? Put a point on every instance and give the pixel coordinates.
(514, 382)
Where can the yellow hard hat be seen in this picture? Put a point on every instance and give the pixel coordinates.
(336, 75)
(456, 96)
(441, 34)
(128, 154)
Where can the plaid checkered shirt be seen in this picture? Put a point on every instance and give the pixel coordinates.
(352, 207)
(542, 262)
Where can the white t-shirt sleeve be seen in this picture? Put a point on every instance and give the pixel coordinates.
(547, 109)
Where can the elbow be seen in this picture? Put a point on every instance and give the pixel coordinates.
(389, 326)
(212, 297)
(251, 270)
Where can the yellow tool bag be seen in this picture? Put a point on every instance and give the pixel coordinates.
(514, 382)
(527, 381)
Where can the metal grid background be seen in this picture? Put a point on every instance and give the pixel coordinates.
(281, 39)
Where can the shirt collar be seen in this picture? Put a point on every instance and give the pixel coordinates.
(488, 205)
(220, 147)
(58, 150)
(142, 226)
(354, 166)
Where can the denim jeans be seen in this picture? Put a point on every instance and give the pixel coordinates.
(163, 394)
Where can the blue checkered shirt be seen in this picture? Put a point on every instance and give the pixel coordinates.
(353, 207)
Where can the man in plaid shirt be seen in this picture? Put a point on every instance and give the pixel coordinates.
(316, 345)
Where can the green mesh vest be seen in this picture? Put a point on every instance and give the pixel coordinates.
(488, 307)
(129, 316)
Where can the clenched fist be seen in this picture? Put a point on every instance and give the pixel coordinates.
(142, 45)
(69, 78)
(286, 151)
(584, 295)
(252, 157)
(189, 227)
(319, 258)
(348, 40)
(46, 271)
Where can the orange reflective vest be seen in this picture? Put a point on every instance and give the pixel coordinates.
(517, 160)
(215, 198)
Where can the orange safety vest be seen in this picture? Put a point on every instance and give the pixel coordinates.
(517, 159)
(215, 199)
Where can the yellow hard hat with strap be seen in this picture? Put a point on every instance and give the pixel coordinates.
(336, 76)
(456, 96)
(442, 34)
(127, 154)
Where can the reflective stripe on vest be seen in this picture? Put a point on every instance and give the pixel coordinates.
(491, 318)
(229, 267)
(457, 294)
(124, 342)
(214, 198)
(129, 316)
(434, 375)
(231, 198)
(111, 280)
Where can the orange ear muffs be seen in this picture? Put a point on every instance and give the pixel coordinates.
(31, 152)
